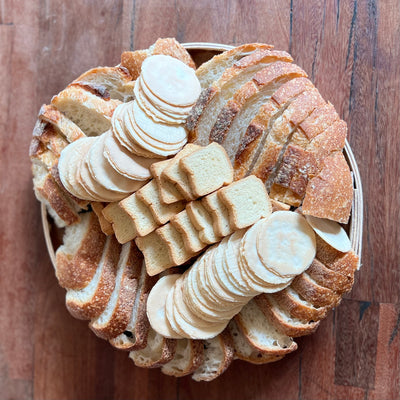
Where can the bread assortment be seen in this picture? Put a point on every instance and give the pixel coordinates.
(190, 255)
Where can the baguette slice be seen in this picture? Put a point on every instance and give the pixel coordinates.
(261, 333)
(218, 355)
(281, 318)
(189, 355)
(158, 351)
(115, 317)
(77, 259)
(91, 301)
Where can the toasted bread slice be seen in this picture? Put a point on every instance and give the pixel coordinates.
(105, 226)
(212, 99)
(218, 355)
(219, 214)
(91, 301)
(77, 259)
(189, 355)
(114, 319)
(122, 224)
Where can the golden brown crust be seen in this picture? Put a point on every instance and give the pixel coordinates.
(170, 47)
(330, 193)
(75, 271)
(132, 61)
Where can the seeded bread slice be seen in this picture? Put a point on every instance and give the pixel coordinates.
(207, 169)
(219, 214)
(91, 301)
(247, 201)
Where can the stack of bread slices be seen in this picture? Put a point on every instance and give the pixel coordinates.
(273, 124)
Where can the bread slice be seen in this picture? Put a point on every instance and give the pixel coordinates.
(279, 206)
(89, 111)
(236, 115)
(191, 239)
(135, 334)
(202, 221)
(175, 175)
(189, 355)
(91, 301)
(247, 201)
(330, 193)
(156, 253)
(140, 215)
(245, 351)
(219, 214)
(218, 355)
(201, 166)
(77, 259)
(162, 213)
(251, 143)
(105, 226)
(204, 113)
(158, 351)
(122, 224)
(283, 320)
(173, 240)
(261, 333)
(114, 319)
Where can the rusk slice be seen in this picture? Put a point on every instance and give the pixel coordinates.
(77, 259)
(122, 224)
(116, 315)
(105, 226)
(91, 301)
(219, 214)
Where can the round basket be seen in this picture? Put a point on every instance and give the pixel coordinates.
(202, 52)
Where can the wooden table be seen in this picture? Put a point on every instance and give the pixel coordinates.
(349, 48)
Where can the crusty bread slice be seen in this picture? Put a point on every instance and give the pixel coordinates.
(298, 307)
(251, 143)
(156, 253)
(91, 301)
(218, 355)
(245, 351)
(261, 333)
(158, 351)
(204, 113)
(162, 213)
(219, 214)
(279, 206)
(212, 70)
(246, 200)
(115, 317)
(39, 152)
(105, 226)
(207, 169)
(190, 235)
(282, 319)
(135, 334)
(189, 355)
(236, 115)
(77, 259)
(89, 111)
(330, 193)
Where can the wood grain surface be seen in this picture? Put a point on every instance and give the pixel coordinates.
(350, 49)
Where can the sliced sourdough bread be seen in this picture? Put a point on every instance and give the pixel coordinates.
(114, 319)
(189, 355)
(91, 301)
(78, 258)
(218, 355)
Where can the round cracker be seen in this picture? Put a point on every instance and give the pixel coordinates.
(286, 243)
(179, 84)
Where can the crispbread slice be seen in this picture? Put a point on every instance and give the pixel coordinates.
(114, 319)
(174, 174)
(238, 112)
(122, 224)
(201, 165)
(90, 302)
(283, 321)
(202, 221)
(190, 235)
(77, 259)
(156, 253)
(218, 355)
(162, 213)
(219, 214)
(246, 200)
(139, 213)
(106, 226)
(211, 101)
